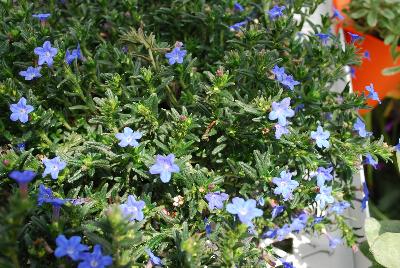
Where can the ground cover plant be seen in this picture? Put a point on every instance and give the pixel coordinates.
(174, 133)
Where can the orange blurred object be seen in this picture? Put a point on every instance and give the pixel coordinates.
(370, 71)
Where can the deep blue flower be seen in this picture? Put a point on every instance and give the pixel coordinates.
(324, 196)
(366, 196)
(238, 7)
(397, 147)
(286, 264)
(208, 228)
(22, 177)
(285, 185)
(46, 53)
(318, 219)
(76, 54)
(280, 130)
(246, 210)
(44, 194)
(323, 175)
(367, 55)
(132, 209)
(299, 223)
(276, 12)
(238, 26)
(354, 37)
(216, 200)
(281, 110)
(337, 14)
(261, 201)
(283, 232)
(31, 73)
(352, 72)
(321, 137)
(128, 137)
(276, 211)
(42, 16)
(334, 242)
(339, 207)
(323, 37)
(269, 234)
(156, 261)
(53, 167)
(96, 259)
(289, 81)
(165, 166)
(56, 202)
(373, 95)
(369, 160)
(21, 146)
(176, 56)
(360, 127)
(20, 111)
(279, 72)
(69, 247)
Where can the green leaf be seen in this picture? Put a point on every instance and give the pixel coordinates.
(386, 250)
(359, 14)
(372, 227)
(372, 19)
(391, 70)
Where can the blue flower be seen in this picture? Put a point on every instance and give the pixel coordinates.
(318, 219)
(324, 196)
(46, 53)
(285, 185)
(53, 167)
(279, 72)
(176, 56)
(397, 147)
(41, 16)
(21, 146)
(22, 177)
(238, 7)
(238, 26)
(246, 210)
(360, 127)
(289, 81)
(337, 14)
(334, 242)
(165, 166)
(208, 228)
(276, 211)
(323, 175)
(367, 55)
(216, 200)
(286, 264)
(354, 37)
(366, 196)
(56, 202)
(269, 234)
(323, 37)
(369, 160)
(281, 110)
(321, 137)
(156, 261)
(283, 232)
(352, 72)
(280, 130)
(69, 247)
(373, 95)
(339, 207)
(261, 201)
(299, 223)
(276, 12)
(31, 73)
(128, 137)
(44, 194)
(95, 259)
(75, 54)
(20, 111)
(132, 209)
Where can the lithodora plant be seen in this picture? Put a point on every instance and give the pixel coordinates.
(176, 133)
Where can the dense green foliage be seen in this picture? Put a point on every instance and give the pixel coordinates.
(211, 112)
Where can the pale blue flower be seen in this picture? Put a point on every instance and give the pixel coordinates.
(165, 166)
(31, 73)
(360, 127)
(334, 242)
(321, 137)
(276, 211)
(46, 53)
(238, 7)
(53, 167)
(339, 207)
(285, 185)
(20, 111)
(216, 200)
(238, 26)
(246, 210)
(128, 137)
(44, 194)
(323, 175)
(132, 209)
(323, 37)
(156, 261)
(373, 95)
(283, 232)
(76, 54)
(365, 199)
(96, 259)
(281, 110)
(397, 147)
(276, 12)
(41, 16)
(324, 196)
(369, 160)
(299, 223)
(69, 247)
(288, 81)
(279, 72)
(280, 130)
(176, 56)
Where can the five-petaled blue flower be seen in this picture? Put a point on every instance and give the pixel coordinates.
(323, 37)
(165, 166)
(286, 264)
(276, 12)
(132, 209)
(360, 127)
(44, 194)
(20, 111)
(238, 7)
(96, 259)
(53, 166)
(365, 197)
(22, 177)
(279, 72)
(337, 14)
(369, 160)
(176, 56)
(31, 73)
(41, 16)
(288, 81)
(76, 54)
(216, 200)
(321, 137)
(128, 137)
(339, 207)
(237, 26)
(69, 247)
(299, 223)
(324, 196)
(245, 209)
(367, 55)
(281, 110)
(323, 175)
(283, 232)
(46, 53)
(354, 37)
(373, 95)
(285, 185)
(156, 261)
(276, 211)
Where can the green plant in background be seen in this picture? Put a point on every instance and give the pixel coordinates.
(181, 133)
(379, 18)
